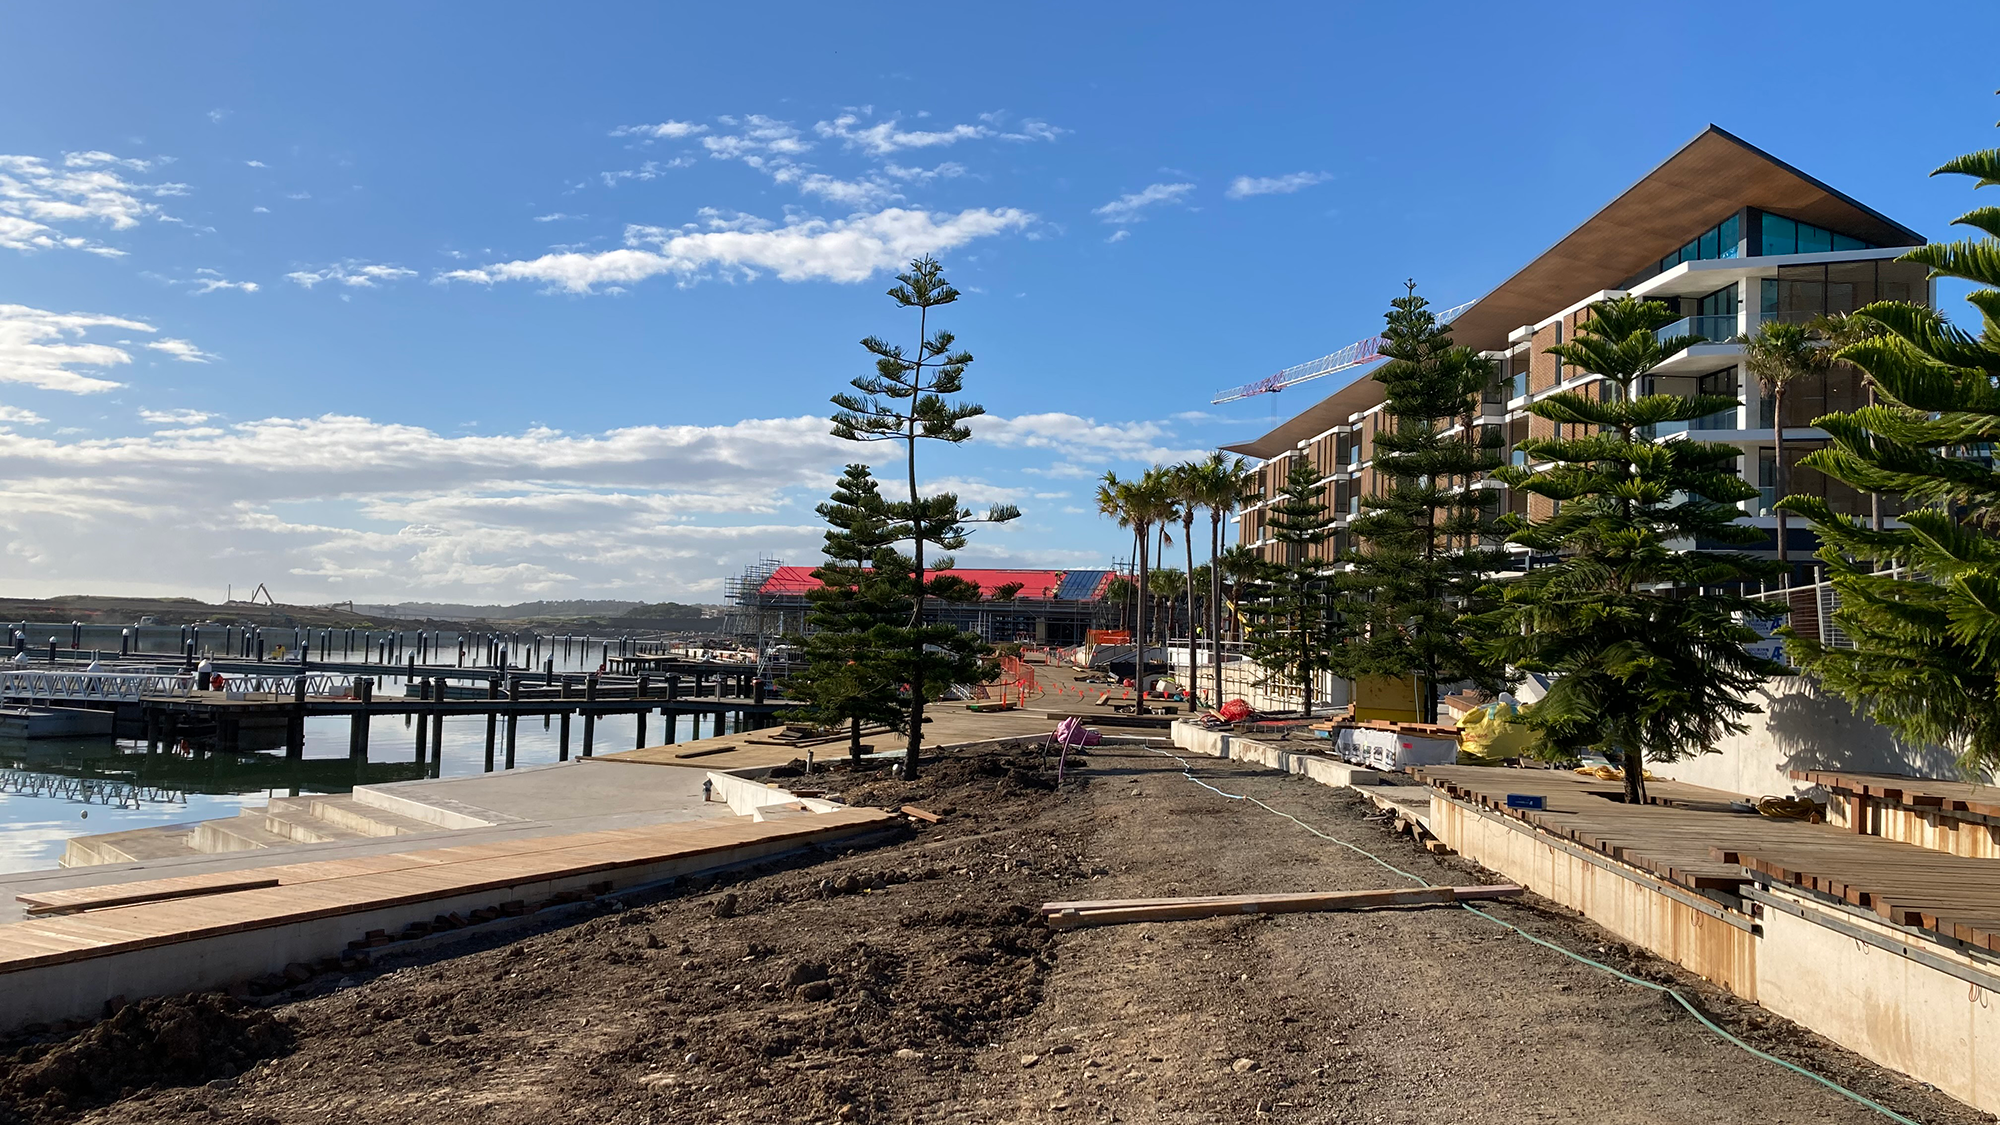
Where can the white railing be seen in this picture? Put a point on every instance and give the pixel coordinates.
(57, 687)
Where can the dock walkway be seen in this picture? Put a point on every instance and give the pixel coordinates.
(202, 930)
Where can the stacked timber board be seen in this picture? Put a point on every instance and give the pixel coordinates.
(73, 925)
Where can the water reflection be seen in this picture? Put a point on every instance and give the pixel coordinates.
(54, 789)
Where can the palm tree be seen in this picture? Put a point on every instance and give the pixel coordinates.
(1190, 492)
(1141, 505)
(1223, 480)
(1167, 585)
(1779, 355)
(1112, 494)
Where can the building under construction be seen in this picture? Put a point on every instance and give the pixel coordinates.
(1053, 607)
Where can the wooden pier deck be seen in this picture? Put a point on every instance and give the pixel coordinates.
(1691, 836)
(178, 933)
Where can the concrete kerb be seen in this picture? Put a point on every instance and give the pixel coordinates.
(1314, 766)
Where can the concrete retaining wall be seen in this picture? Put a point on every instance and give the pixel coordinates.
(1704, 936)
(1327, 771)
(1804, 728)
(1890, 1008)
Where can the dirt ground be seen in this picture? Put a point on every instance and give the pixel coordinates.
(914, 982)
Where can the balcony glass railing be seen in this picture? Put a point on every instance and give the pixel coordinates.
(1714, 329)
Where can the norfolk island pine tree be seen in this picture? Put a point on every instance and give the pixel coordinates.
(1644, 643)
(1421, 562)
(907, 399)
(855, 614)
(1297, 629)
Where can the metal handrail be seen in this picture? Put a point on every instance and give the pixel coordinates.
(72, 687)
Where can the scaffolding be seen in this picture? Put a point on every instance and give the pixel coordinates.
(750, 616)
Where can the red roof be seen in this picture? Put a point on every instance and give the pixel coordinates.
(1034, 583)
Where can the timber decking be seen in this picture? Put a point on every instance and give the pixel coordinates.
(328, 888)
(1670, 837)
(1688, 837)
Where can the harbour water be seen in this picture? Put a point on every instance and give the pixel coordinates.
(51, 790)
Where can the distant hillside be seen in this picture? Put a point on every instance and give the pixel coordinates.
(610, 613)
(452, 611)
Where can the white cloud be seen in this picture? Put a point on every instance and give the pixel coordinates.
(884, 137)
(1119, 236)
(256, 164)
(351, 506)
(14, 415)
(1029, 129)
(260, 210)
(95, 158)
(181, 350)
(650, 170)
(804, 249)
(945, 171)
(37, 202)
(1242, 187)
(208, 281)
(45, 349)
(665, 130)
(353, 273)
(858, 194)
(1079, 439)
(759, 134)
(553, 217)
(1131, 208)
(174, 417)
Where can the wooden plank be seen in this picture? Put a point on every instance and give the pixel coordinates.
(1101, 912)
(125, 894)
(920, 814)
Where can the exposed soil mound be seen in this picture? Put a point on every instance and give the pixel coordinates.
(993, 777)
(171, 1041)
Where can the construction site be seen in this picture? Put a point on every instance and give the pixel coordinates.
(1165, 919)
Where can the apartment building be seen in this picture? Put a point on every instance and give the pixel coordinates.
(1725, 234)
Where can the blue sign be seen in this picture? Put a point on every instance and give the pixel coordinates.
(1526, 801)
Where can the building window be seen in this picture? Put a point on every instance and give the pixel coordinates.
(1718, 241)
(1800, 293)
(1789, 236)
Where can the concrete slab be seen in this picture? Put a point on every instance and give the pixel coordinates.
(564, 791)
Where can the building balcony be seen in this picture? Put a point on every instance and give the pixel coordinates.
(1713, 329)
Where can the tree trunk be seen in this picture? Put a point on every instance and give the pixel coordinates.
(1215, 599)
(1187, 540)
(917, 536)
(1635, 776)
(1139, 635)
(854, 738)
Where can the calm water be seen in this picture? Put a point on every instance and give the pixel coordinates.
(35, 825)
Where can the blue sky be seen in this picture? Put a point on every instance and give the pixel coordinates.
(499, 301)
